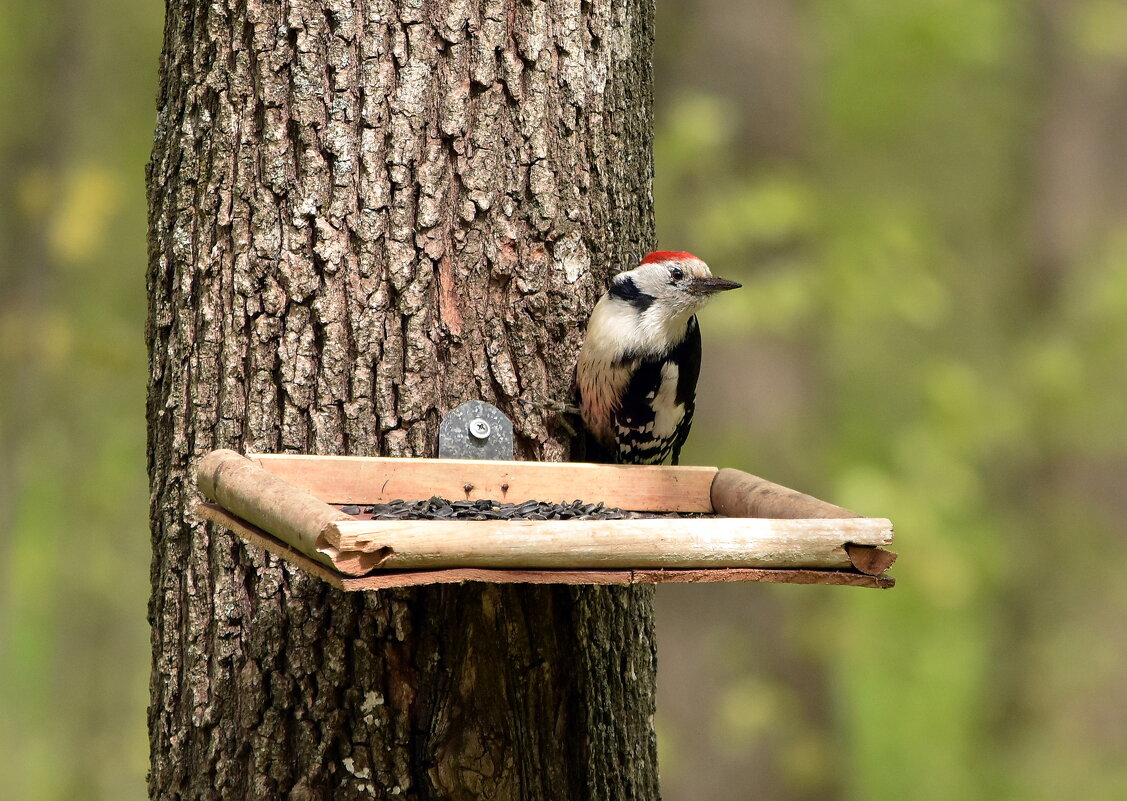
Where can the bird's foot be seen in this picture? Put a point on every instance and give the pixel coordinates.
(561, 409)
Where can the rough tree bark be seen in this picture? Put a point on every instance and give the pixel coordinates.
(361, 214)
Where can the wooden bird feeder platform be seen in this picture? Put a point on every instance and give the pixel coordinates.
(746, 528)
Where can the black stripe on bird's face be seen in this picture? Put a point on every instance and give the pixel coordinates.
(625, 289)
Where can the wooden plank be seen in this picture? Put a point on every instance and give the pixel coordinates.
(840, 578)
(387, 579)
(391, 579)
(359, 479)
(572, 544)
(738, 494)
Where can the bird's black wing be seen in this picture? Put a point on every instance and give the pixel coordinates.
(635, 416)
(688, 357)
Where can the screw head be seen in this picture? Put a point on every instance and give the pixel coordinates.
(479, 429)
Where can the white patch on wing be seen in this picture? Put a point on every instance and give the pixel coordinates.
(667, 412)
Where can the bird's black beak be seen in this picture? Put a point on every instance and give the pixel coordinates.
(707, 286)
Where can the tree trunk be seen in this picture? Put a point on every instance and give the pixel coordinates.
(361, 215)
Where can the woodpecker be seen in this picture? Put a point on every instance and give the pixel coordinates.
(637, 373)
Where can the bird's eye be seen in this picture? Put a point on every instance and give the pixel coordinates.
(676, 273)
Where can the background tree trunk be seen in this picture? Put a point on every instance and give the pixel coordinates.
(362, 214)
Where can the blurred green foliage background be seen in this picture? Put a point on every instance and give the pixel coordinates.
(77, 87)
(927, 204)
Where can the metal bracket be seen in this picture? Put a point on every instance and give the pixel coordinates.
(475, 430)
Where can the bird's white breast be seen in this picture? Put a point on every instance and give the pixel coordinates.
(618, 328)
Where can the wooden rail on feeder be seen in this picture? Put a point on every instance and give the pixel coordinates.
(364, 479)
(769, 533)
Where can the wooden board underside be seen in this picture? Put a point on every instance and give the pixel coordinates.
(366, 480)
(409, 578)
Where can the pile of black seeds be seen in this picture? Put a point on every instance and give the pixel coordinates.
(441, 509)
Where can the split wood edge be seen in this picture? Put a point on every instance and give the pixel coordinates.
(274, 505)
(735, 493)
(803, 531)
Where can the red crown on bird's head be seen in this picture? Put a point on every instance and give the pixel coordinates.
(668, 255)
